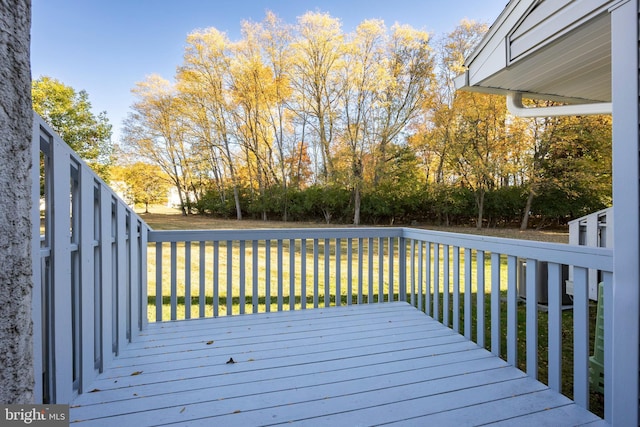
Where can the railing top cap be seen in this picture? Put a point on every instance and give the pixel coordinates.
(590, 257)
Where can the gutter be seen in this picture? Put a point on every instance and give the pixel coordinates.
(515, 107)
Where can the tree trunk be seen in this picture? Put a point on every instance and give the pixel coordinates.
(16, 120)
(182, 201)
(356, 203)
(236, 199)
(480, 203)
(525, 218)
(356, 167)
(234, 179)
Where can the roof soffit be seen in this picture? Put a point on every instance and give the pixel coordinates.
(549, 49)
(547, 21)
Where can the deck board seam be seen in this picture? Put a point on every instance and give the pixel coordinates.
(399, 324)
(487, 357)
(337, 396)
(353, 394)
(276, 338)
(285, 316)
(284, 364)
(363, 361)
(567, 404)
(214, 352)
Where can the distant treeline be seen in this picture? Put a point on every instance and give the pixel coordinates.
(431, 204)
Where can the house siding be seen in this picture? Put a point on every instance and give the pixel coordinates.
(548, 21)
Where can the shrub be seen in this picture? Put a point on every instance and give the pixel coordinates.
(505, 205)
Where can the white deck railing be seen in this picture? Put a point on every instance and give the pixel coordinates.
(264, 270)
(89, 271)
(94, 256)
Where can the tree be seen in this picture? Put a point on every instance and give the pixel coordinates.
(575, 173)
(299, 166)
(157, 131)
(145, 183)
(400, 192)
(275, 37)
(435, 133)
(481, 147)
(254, 94)
(16, 281)
(203, 83)
(384, 81)
(542, 132)
(318, 52)
(360, 76)
(406, 88)
(467, 132)
(69, 114)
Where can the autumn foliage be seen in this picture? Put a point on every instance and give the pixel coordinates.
(307, 122)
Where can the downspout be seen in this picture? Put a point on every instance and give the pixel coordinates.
(515, 107)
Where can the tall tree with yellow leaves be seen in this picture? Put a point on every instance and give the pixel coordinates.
(481, 147)
(435, 132)
(406, 88)
(275, 39)
(464, 133)
(254, 94)
(318, 51)
(361, 75)
(157, 131)
(203, 81)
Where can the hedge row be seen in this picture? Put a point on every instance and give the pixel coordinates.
(433, 204)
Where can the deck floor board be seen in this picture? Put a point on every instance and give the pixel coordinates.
(371, 364)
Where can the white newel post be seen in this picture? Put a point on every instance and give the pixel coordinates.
(622, 349)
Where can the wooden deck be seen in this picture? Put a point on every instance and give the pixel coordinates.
(359, 365)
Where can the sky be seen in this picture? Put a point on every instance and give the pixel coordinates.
(106, 46)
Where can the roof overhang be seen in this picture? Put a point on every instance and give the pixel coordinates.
(557, 50)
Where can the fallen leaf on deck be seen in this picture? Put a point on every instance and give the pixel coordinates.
(136, 373)
(251, 360)
(230, 361)
(237, 411)
(209, 342)
(95, 390)
(183, 409)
